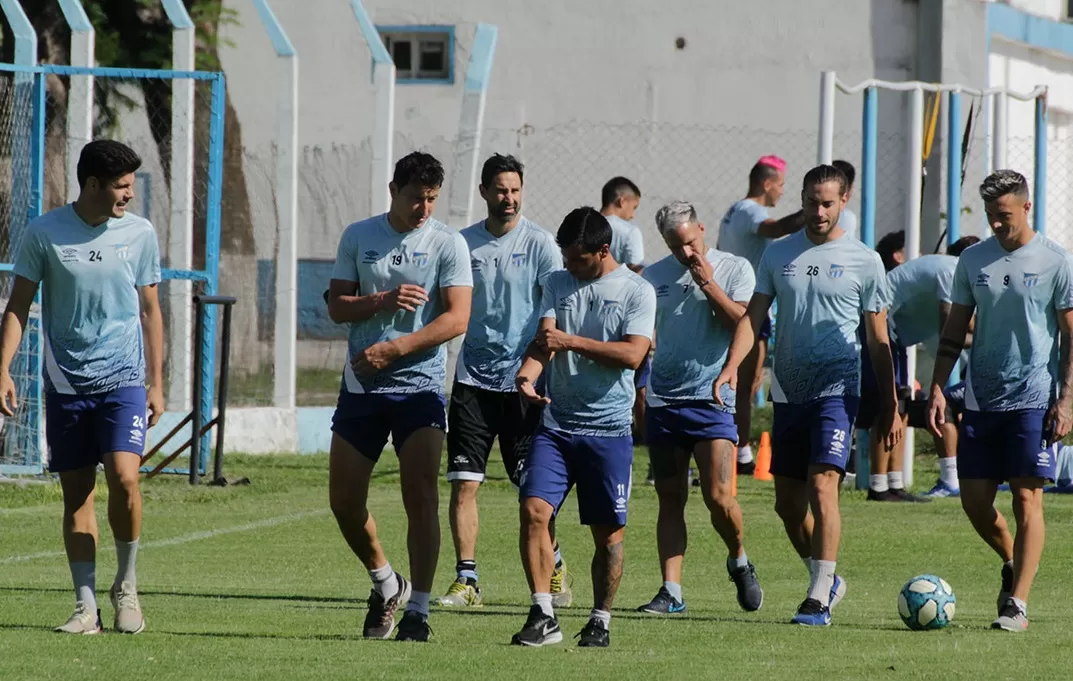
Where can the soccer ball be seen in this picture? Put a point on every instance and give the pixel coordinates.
(926, 602)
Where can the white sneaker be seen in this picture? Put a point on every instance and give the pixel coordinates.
(128, 611)
(84, 621)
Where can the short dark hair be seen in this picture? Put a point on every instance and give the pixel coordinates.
(888, 246)
(1003, 182)
(847, 169)
(420, 168)
(761, 173)
(106, 160)
(823, 174)
(584, 227)
(496, 164)
(955, 249)
(616, 187)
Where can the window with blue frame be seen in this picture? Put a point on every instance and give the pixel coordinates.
(422, 54)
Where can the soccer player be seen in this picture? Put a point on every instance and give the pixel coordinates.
(701, 294)
(1020, 380)
(620, 198)
(745, 231)
(848, 219)
(98, 267)
(825, 282)
(510, 257)
(402, 281)
(596, 326)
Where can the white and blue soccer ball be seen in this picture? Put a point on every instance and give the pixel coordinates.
(926, 602)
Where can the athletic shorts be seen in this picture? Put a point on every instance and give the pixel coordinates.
(819, 433)
(681, 426)
(765, 330)
(1000, 445)
(81, 429)
(600, 467)
(475, 419)
(640, 377)
(869, 407)
(365, 420)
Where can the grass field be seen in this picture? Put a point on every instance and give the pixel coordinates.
(256, 582)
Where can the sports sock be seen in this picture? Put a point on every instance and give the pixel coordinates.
(896, 480)
(544, 602)
(467, 569)
(948, 472)
(878, 483)
(745, 454)
(674, 589)
(384, 581)
(823, 578)
(558, 557)
(84, 576)
(1021, 604)
(602, 615)
(740, 562)
(126, 556)
(419, 602)
(1009, 564)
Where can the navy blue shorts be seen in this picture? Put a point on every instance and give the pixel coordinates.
(81, 429)
(681, 426)
(1000, 445)
(765, 329)
(365, 420)
(819, 433)
(640, 377)
(600, 467)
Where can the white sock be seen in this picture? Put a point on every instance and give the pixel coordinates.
(126, 555)
(896, 480)
(739, 563)
(745, 454)
(878, 483)
(544, 601)
(419, 602)
(1020, 604)
(602, 615)
(384, 581)
(823, 578)
(948, 472)
(674, 589)
(84, 577)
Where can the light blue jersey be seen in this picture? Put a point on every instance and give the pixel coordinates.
(508, 273)
(1013, 361)
(89, 299)
(691, 342)
(588, 398)
(849, 224)
(627, 241)
(822, 292)
(738, 231)
(916, 290)
(378, 258)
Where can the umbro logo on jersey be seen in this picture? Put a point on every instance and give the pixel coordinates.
(1031, 280)
(789, 270)
(662, 291)
(566, 303)
(983, 279)
(68, 255)
(836, 271)
(370, 257)
(474, 264)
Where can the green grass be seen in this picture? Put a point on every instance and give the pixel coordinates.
(284, 598)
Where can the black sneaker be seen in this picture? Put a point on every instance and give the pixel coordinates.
(539, 630)
(663, 604)
(909, 496)
(380, 619)
(413, 627)
(885, 495)
(1007, 587)
(750, 595)
(594, 635)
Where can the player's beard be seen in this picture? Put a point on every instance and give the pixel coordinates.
(499, 212)
(825, 229)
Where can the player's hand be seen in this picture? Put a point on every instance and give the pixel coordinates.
(155, 404)
(8, 401)
(936, 411)
(553, 340)
(728, 378)
(1058, 420)
(889, 424)
(375, 358)
(528, 392)
(407, 297)
(700, 268)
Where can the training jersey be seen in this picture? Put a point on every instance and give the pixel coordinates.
(589, 398)
(508, 272)
(917, 289)
(90, 306)
(1013, 361)
(379, 258)
(627, 241)
(738, 231)
(849, 224)
(822, 291)
(691, 341)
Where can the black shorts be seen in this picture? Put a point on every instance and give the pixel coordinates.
(475, 419)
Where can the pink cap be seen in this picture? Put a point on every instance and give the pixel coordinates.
(773, 161)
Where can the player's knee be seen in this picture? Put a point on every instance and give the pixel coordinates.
(791, 510)
(671, 494)
(464, 491)
(345, 504)
(719, 497)
(536, 513)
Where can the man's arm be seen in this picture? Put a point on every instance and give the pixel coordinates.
(450, 323)
(889, 425)
(153, 335)
(951, 343)
(747, 328)
(346, 306)
(774, 229)
(944, 314)
(1059, 418)
(11, 329)
(727, 311)
(627, 353)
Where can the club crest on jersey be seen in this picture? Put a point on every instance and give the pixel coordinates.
(370, 257)
(1031, 280)
(518, 259)
(419, 259)
(983, 279)
(789, 270)
(836, 271)
(610, 305)
(121, 251)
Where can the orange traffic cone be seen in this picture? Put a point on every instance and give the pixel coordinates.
(734, 475)
(763, 458)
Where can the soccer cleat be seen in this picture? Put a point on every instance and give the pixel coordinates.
(885, 495)
(380, 619)
(561, 596)
(663, 604)
(1006, 590)
(539, 630)
(812, 613)
(941, 490)
(84, 622)
(1011, 617)
(750, 595)
(128, 611)
(413, 627)
(909, 496)
(594, 635)
(838, 592)
(461, 594)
